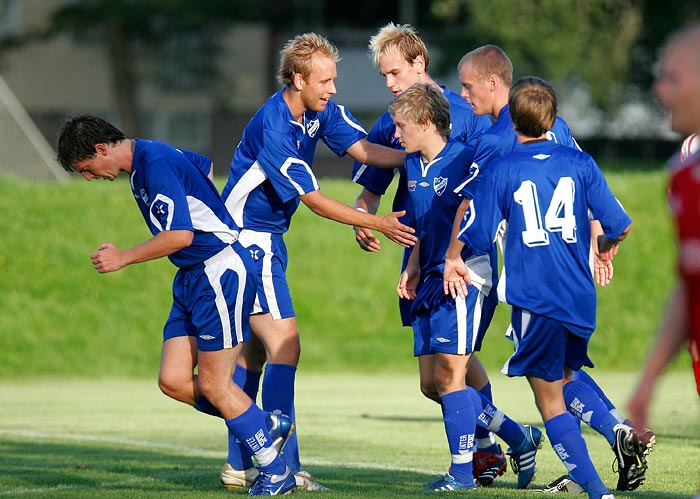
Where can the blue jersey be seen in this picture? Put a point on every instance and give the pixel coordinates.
(544, 191)
(499, 140)
(271, 167)
(432, 204)
(173, 192)
(466, 127)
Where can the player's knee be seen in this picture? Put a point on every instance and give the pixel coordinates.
(429, 390)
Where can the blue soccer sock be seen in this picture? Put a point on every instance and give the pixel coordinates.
(493, 419)
(278, 394)
(251, 430)
(238, 455)
(565, 435)
(584, 377)
(203, 405)
(248, 380)
(458, 415)
(485, 439)
(583, 402)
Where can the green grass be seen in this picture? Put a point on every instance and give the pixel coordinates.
(59, 316)
(370, 436)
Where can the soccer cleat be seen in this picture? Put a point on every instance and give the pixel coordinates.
(523, 460)
(447, 483)
(237, 479)
(487, 466)
(630, 456)
(608, 496)
(268, 484)
(281, 427)
(562, 484)
(306, 481)
(648, 439)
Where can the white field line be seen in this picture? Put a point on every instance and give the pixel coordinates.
(144, 444)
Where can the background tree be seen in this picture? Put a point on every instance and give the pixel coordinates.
(561, 40)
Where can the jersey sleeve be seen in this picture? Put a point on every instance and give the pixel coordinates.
(168, 208)
(370, 177)
(204, 163)
(340, 129)
(289, 174)
(603, 204)
(481, 221)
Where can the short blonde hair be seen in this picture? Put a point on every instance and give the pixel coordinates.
(489, 60)
(402, 37)
(532, 104)
(423, 104)
(298, 54)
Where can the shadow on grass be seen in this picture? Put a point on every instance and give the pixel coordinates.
(88, 470)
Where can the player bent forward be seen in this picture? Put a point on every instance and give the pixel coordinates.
(212, 294)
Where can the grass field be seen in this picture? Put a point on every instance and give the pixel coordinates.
(363, 436)
(62, 317)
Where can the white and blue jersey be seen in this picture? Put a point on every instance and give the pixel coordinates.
(465, 127)
(173, 192)
(499, 140)
(545, 191)
(271, 167)
(212, 295)
(440, 322)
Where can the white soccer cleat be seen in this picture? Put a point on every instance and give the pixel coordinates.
(237, 479)
(306, 481)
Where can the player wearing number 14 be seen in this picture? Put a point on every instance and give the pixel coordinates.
(545, 191)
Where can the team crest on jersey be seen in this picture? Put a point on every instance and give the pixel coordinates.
(312, 127)
(411, 185)
(144, 195)
(439, 184)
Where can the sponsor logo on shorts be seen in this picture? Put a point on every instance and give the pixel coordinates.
(442, 340)
(207, 337)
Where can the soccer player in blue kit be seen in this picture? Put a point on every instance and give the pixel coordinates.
(270, 174)
(486, 76)
(212, 292)
(544, 192)
(447, 330)
(403, 60)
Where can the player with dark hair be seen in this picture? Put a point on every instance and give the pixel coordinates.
(448, 330)
(270, 174)
(212, 291)
(678, 90)
(544, 191)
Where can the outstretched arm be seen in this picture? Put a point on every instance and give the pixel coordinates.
(376, 155)
(109, 258)
(456, 277)
(672, 334)
(368, 202)
(388, 225)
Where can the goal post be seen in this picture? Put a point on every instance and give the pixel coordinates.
(24, 151)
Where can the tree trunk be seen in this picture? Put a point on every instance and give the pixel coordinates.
(124, 81)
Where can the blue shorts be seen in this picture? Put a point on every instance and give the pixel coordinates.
(213, 301)
(544, 347)
(449, 325)
(269, 255)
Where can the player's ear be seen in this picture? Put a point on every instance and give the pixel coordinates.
(419, 63)
(297, 80)
(101, 149)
